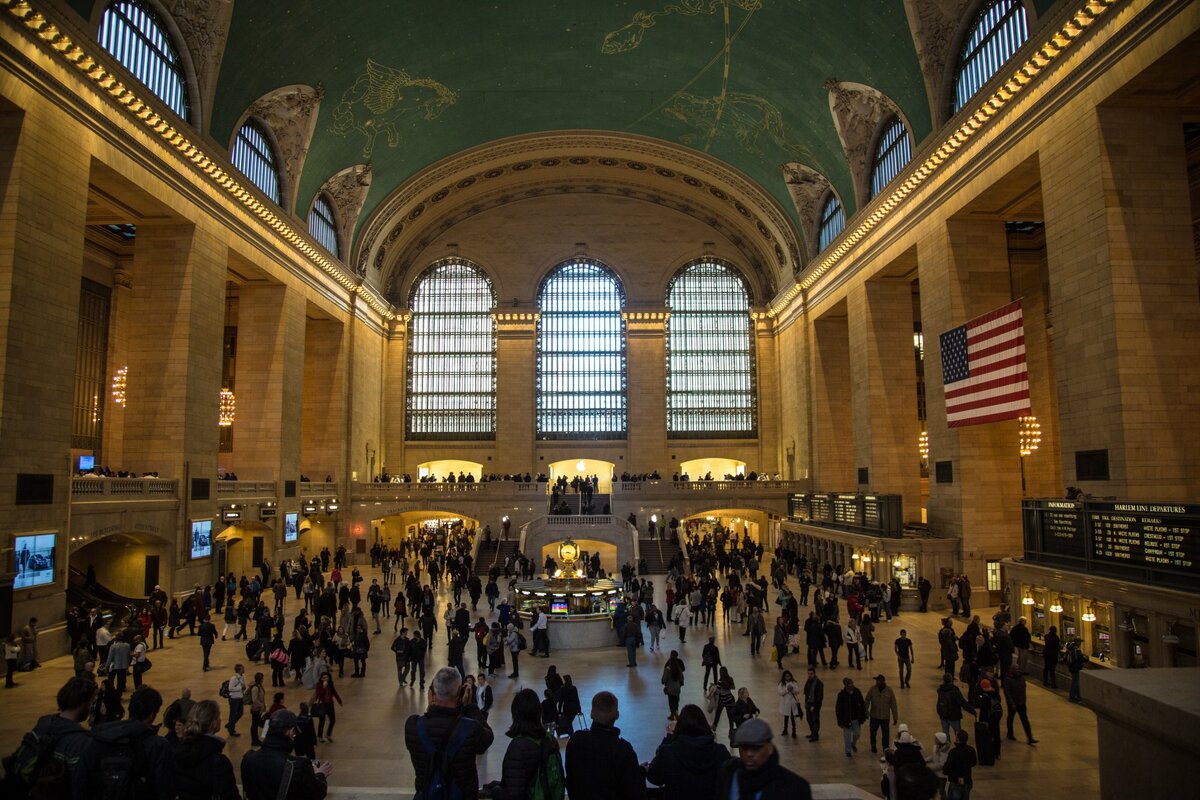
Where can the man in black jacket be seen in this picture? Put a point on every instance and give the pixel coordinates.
(710, 657)
(851, 711)
(459, 734)
(814, 697)
(957, 768)
(600, 764)
(757, 770)
(151, 771)
(265, 770)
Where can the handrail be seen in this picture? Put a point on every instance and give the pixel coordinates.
(246, 488)
(158, 488)
(705, 486)
(323, 489)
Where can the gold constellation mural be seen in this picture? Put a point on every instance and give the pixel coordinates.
(381, 97)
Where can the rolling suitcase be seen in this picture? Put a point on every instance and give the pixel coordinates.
(254, 649)
(984, 746)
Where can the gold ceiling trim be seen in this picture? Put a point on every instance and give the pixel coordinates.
(1050, 51)
(138, 109)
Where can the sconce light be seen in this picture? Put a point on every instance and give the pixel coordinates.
(1029, 434)
(228, 407)
(1056, 606)
(118, 386)
(923, 445)
(1027, 600)
(1088, 616)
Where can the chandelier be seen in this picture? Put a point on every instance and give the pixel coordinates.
(1029, 434)
(118, 386)
(228, 406)
(923, 445)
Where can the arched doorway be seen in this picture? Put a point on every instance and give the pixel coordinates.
(719, 468)
(441, 470)
(571, 468)
(126, 564)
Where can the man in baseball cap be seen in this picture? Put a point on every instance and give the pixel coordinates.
(757, 770)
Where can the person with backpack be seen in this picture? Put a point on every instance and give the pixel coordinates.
(1075, 662)
(951, 704)
(234, 690)
(202, 770)
(47, 760)
(117, 665)
(991, 711)
(257, 696)
(600, 764)
(532, 764)
(270, 773)
(444, 742)
(127, 760)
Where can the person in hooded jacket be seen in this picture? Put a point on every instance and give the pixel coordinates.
(202, 770)
(65, 728)
(529, 749)
(688, 759)
(264, 770)
(140, 731)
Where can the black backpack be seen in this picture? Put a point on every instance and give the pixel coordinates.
(34, 771)
(117, 769)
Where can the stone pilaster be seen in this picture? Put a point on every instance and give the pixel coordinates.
(646, 390)
(516, 389)
(883, 369)
(833, 429)
(1126, 316)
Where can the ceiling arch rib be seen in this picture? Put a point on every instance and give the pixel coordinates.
(649, 170)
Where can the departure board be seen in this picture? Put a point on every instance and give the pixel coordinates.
(1158, 536)
(1062, 528)
(876, 514)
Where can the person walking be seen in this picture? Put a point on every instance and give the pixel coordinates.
(833, 635)
(600, 764)
(236, 693)
(208, 637)
(1022, 640)
(325, 694)
(256, 694)
(779, 640)
(655, 624)
(725, 699)
(789, 705)
(814, 698)
(1075, 663)
(756, 772)
(1051, 650)
(951, 704)
(851, 712)
(814, 636)
(957, 769)
(758, 629)
(672, 681)
(853, 639)
(1014, 693)
(881, 705)
(515, 641)
(905, 658)
(991, 711)
(629, 634)
(117, 665)
(531, 755)
(710, 657)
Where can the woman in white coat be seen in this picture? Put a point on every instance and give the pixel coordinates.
(789, 706)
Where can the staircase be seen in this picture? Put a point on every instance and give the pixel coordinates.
(574, 504)
(657, 555)
(107, 601)
(492, 554)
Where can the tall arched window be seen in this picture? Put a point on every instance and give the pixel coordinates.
(133, 34)
(321, 224)
(255, 158)
(891, 155)
(998, 32)
(710, 354)
(452, 354)
(833, 220)
(581, 354)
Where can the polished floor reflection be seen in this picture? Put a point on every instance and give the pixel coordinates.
(369, 749)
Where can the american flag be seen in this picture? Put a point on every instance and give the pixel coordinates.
(983, 369)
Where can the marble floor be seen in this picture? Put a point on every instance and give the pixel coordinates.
(369, 749)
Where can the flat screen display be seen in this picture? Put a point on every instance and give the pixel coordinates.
(35, 560)
(201, 538)
(291, 526)
(87, 463)
(558, 605)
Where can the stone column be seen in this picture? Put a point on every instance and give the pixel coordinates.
(832, 425)
(1122, 269)
(43, 212)
(118, 357)
(771, 447)
(516, 392)
(322, 427)
(269, 383)
(646, 390)
(883, 371)
(963, 269)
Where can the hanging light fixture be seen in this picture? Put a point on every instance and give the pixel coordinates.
(118, 386)
(1088, 616)
(1027, 600)
(1029, 434)
(1056, 607)
(228, 407)
(923, 445)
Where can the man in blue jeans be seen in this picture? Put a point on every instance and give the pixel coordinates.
(237, 694)
(630, 634)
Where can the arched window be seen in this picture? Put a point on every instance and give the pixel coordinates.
(133, 34)
(321, 224)
(998, 32)
(833, 220)
(891, 155)
(452, 354)
(254, 157)
(710, 354)
(581, 354)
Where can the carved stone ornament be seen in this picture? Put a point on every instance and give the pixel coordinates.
(807, 188)
(291, 114)
(935, 25)
(347, 190)
(858, 111)
(204, 26)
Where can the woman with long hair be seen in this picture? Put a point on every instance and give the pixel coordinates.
(531, 748)
(202, 770)
(324, 696)
(725, 699)
(789, 705)
(672, 681)
(689, 759)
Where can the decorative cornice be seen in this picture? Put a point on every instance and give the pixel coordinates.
(917, 173)
(143, 111)
(291, 114)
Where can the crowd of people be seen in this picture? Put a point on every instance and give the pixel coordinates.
(726, 583)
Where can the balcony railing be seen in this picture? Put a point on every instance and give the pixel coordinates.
(325, 489)
(228, 489)
(414, 490)
(578, 520)
(742, 487)
(125, 488)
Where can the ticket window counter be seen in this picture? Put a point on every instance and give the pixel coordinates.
(1140, 641)
(1098, 632)
(1068, 620)
(1038, 617)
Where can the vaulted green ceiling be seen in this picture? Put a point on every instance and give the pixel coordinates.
(407, 85)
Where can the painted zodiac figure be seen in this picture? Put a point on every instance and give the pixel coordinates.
(630, 36)
(381, 96)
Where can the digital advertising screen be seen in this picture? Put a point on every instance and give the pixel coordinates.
(558, 605)
(35, 559)
(201, 538)
(87, 463)
(291, 526)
